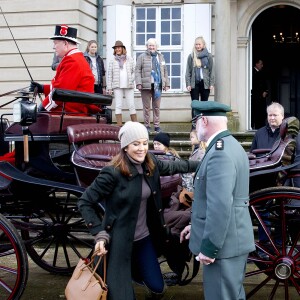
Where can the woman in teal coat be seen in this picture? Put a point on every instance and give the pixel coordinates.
(133, 231)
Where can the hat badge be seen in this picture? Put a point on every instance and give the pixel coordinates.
(64, 30)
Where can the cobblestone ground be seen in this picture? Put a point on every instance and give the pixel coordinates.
(43, 286)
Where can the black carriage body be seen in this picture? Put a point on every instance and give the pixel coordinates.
(46, 210)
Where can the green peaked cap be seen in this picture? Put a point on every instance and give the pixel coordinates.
(210, 108)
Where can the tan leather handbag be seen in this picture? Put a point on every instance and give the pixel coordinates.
(186, 197)
(85, 283)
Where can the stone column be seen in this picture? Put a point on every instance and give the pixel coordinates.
(223, 50)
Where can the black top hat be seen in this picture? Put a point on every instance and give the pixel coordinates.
(64, 32)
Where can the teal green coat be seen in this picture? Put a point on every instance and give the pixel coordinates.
(123, 197)
(221, 224)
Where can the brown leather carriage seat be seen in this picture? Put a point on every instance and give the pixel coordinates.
(282, 151)
(95, 145)
(271, 168)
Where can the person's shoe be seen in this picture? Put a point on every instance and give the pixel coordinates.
(157, 129)
(148, 129)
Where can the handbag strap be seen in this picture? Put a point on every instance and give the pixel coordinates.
(94, 268)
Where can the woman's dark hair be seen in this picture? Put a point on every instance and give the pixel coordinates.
(120, 161)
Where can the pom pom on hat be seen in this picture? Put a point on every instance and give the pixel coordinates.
(163, 138)
(132, 131)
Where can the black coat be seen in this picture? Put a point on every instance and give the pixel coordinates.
(265, 138)
(122, 197)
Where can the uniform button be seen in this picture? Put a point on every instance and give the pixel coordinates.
(90, 225)
(108, 227)
(154, 193)
(160, 210)
(165, 225)
(246, 202)
(197, 177)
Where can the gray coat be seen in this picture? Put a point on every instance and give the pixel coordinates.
(143, 70)
(123, 197)
(221, 224)
(208, 73)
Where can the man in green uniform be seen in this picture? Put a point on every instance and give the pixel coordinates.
(221, 233)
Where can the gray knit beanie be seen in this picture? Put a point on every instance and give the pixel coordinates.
(132, 131)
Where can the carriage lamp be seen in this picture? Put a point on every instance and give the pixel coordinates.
(24, 112)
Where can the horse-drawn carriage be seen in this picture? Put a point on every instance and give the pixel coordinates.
(38, 199)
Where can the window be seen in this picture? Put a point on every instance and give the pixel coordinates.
(165, 25)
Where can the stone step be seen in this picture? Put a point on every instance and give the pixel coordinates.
(180, 137)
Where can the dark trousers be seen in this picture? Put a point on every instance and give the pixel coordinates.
(258, 112)
(98, 88)
(145, 266)
(199, 93)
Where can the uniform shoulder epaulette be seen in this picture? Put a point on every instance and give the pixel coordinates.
(219, 144)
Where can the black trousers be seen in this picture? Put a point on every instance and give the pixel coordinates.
(98, 89)
(199, 93)
(258, 112)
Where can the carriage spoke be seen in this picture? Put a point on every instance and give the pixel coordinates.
(5, 286)
(258, 287)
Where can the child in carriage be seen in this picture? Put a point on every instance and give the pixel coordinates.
(177, 212)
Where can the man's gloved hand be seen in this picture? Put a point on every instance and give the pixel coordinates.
(34, 84)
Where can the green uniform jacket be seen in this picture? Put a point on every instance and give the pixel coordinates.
(221, 223)
(123, 196)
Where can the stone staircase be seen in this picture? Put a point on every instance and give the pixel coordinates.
(180, 137)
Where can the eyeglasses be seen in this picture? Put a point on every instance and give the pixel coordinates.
(195, 119)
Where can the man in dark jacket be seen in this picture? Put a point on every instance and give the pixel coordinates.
(266, 136)
(259, 95)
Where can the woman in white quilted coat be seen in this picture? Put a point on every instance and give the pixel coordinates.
(120, 81)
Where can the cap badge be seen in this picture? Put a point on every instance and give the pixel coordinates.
(64, 30)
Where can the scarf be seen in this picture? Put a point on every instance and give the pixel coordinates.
(200, 58)
(155, 73)
(120, 59)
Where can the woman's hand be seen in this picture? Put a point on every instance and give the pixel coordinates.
(100, 248)
(189, 88)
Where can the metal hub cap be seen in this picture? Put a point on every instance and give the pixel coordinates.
(283, 270)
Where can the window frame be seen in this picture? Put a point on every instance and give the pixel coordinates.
(158, 33)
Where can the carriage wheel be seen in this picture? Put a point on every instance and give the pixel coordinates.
(13, 262)
(56, 236)
(275, 214)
